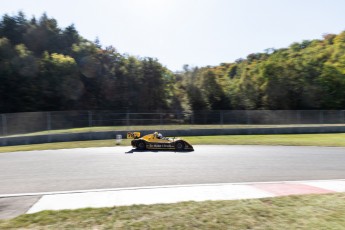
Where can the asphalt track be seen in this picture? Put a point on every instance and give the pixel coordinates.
(118, 167)
(26, 176)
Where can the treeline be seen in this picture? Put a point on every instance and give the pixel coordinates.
(305, 76)
(47, 68)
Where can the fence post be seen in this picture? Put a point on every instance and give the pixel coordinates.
(221, 117)
(299, 115)
(161, 119)
(248, 121)
(321, 121)
(90, 118)
(4, 125)
(49, 125)
(127, 119)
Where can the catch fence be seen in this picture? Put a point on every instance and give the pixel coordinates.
(64, 121)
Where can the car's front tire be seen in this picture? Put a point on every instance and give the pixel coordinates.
(179, 146)
(141, 145)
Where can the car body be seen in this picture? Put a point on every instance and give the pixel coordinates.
(154, 141)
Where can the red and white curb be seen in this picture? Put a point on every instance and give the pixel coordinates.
(180, 193)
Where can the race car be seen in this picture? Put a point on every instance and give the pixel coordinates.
(157, 141)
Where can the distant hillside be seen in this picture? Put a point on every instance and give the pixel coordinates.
(306, 75)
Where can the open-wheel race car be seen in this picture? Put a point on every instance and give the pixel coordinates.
(157, 141)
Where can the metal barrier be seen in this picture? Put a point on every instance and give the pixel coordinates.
(32, 122)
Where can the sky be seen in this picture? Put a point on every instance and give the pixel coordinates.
(193, 32)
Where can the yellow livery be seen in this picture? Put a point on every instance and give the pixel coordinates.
(157, 141)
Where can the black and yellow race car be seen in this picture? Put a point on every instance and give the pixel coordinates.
(157, 141)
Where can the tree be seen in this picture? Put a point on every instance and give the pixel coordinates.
(214, 93)
(13, 28)
(59, 81)
(332, 81)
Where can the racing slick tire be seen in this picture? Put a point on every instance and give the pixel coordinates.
(141, 145)
(179, 146)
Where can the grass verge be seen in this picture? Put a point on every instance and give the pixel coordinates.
(332, 140)
(164, 127)
(335, 140)
(63, 145)
(291, 212)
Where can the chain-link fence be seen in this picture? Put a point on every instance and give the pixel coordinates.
(63, 121)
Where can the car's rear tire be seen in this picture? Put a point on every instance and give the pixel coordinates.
(179, 146)
(141, 145)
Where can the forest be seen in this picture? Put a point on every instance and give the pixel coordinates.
(47, 68)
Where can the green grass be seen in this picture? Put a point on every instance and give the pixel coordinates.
(63, 145)
(335, 140)
(163, 127)
(291, 212)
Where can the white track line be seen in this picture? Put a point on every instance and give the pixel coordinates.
(179, 193)
(156, 187)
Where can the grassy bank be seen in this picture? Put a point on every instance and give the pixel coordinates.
(335, 140)
(292, 212)
(165, 127)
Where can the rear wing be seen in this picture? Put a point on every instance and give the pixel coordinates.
(133, 135)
